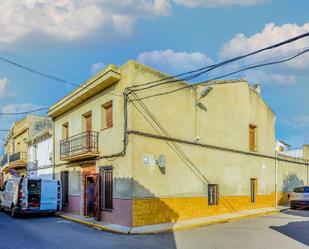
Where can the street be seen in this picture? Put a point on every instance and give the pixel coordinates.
(285, 230)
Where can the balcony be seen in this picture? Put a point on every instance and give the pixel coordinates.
(18, 160)
(81, 146)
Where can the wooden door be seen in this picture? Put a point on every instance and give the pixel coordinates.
(88, 127)
(88, 122)
(97, 199)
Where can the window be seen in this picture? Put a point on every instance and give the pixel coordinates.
(65, 130)
(252, 138)
(107, 115)
(253, 189)
(88, 121)
(213, 194)
(64, 178)
(106, 174)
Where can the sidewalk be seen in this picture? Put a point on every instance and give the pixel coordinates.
(170, 227)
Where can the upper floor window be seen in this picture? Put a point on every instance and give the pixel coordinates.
(252, 138)
(88, 121)
(65, 130)
(107, 115)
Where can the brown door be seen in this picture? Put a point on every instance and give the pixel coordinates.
(88, 126)
(96, 210)
(88, 122)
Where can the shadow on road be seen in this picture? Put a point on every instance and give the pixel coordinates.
(302, 212)
(297, 230)
(32, 216)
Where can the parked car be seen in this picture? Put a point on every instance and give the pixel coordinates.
(31, 195)
(299, 198)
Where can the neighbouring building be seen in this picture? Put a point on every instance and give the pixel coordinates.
(281, 146)
(15, 159)
(40, 152)
(293, 171)
(138, 156)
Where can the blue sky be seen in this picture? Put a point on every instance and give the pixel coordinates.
(73, 39)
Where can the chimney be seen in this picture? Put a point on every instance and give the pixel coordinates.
(306, 151)
(257, 88)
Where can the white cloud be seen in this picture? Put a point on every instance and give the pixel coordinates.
(96, 67)
(171, 61)
(268, 78)
(12, 108)
(297, 122)
(3, 87)
(271, 34)
(67, 20)
(70, 19)
(216, 3)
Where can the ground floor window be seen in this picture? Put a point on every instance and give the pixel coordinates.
(253, 189)
(106, 175)
(213, 194)
(64, 177)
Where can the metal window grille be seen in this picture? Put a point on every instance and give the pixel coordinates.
(106, 188)
(213, 194)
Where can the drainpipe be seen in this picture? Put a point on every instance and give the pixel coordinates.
(276, 177)
(54, 154)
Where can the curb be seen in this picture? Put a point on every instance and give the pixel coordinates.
(87, 223)
(165, 230)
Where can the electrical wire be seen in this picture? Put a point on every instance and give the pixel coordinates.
(208, 82)
(25, 112)
(36, 71)
(211, 67)
(39, 65)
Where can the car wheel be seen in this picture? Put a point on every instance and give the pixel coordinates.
(292, 207)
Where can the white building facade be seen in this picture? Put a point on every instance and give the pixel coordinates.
(40, 151)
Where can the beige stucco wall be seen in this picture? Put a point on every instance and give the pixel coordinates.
(230, 110)
(110, 140)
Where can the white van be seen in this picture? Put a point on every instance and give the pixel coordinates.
(299, 198)
(31, 195)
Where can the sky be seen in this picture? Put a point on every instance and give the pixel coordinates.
(74, 39)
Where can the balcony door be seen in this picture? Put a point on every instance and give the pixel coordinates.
(88, 128)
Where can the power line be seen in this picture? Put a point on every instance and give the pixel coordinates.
(37, 71)
(204, 70)
(25, 112)
(39, 65)
(208, 82)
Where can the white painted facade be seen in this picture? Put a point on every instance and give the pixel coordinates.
(40, 158)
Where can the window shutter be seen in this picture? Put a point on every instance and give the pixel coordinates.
(109, 116)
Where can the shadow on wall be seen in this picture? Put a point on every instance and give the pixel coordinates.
(297, 230)
(290, 181)
(146, 209)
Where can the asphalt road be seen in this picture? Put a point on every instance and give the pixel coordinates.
(285, 231)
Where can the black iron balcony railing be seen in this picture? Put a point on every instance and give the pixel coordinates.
(4, 160)
(18, 156)
(82, 143)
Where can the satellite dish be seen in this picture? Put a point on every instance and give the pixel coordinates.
(161, 161)
(205, 91)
